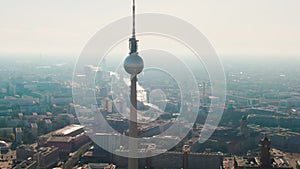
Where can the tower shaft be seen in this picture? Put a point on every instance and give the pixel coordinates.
(133, 162)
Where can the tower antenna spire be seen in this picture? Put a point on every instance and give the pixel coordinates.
(133, 41)
(133, 18)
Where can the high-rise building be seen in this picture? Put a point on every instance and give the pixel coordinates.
(48, 124)
(34, 130)
(19, 135)
(265, 157)
(243, 127)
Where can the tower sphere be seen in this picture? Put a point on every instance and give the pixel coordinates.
(134, 64)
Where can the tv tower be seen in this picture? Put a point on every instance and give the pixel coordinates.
(133, 65)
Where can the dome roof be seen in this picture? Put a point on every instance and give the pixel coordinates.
(3, 143)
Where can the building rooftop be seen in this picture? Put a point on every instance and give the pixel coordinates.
(60, 139)
(108, 134)
(278, 160)
(67, 130)
(48, 121)
(46, 150)
(248, 161)
(18, 130)
(33, 125)
(228, 162)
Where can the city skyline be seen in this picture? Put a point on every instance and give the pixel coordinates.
(201, 84)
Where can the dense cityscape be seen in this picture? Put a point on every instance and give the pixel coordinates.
(40, 128)
(212, 86)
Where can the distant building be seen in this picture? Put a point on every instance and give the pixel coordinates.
(265, 157)
(19, 135)
(111, 141)
(19, 89)
(283, 104)
(69, 117)
(48, 124)
(107, 104)
(61, 101)
(103, 92)
(71, 130)
(119, 105)
(20, 115)
(26, 164)
(4, 147)
(34, 130)
(11, 89)
(4, 132)
(46, 157)
(265, 161)
(243, 127)
(30, 157)
(48, 114)
(298, 164)
(7, 160)
(100, 166)
(23, 152)
(171, 160)
(165, 160)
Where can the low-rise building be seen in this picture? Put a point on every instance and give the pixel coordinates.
(46, 157)
(68, 139)
(23, 152)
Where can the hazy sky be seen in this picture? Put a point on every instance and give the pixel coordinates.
(234, 27)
